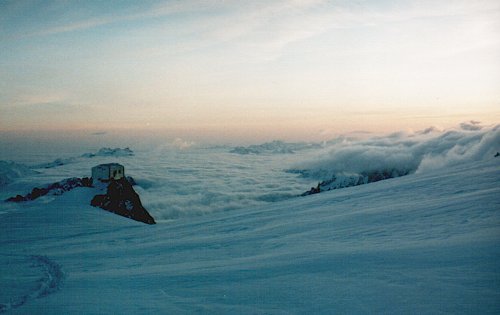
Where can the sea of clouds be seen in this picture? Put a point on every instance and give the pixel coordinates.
(181, 178)
(176, 181)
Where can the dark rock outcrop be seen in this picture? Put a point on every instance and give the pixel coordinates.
(343, 181)
(121, 199)
(54, 189)
(131, 180)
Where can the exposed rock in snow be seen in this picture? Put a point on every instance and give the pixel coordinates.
(347, 180)
(56, 163)
(121, 199)
(360, 162)
(10, 170)
(110, 152)
(54, 189)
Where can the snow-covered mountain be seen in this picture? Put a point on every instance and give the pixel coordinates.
(275, 147)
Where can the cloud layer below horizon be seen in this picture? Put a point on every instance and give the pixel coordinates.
(404, 153)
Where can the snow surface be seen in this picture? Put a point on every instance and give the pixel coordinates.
(10, 171)
(425, 243)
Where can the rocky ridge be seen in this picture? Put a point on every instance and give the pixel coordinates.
(120, 197)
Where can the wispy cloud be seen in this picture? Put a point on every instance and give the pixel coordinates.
(53, 22)
(166, 62)
(77, 26)
(263, 28)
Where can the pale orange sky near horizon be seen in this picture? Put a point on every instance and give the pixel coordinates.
(292, 70)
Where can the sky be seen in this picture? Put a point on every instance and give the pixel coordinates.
(303, 69)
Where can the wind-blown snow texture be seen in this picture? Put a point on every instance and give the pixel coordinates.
(424, 243)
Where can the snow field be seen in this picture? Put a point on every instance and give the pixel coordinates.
(234, 238)
(423, 243)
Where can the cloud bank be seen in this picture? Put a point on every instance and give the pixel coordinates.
(351, 162)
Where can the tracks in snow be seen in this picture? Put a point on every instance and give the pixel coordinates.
(49, 282)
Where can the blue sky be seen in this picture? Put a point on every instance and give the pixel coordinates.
(297, 69)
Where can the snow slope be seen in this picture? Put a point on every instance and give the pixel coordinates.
(10, 171)
(425, 243)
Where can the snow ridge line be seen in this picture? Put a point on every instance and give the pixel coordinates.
(47, 284)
